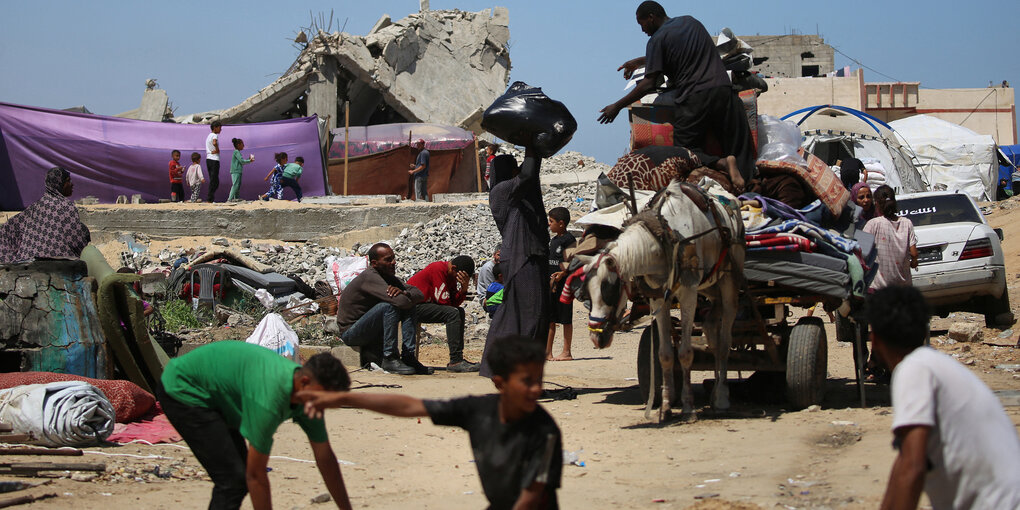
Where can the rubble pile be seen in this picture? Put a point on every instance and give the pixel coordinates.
(564, 162)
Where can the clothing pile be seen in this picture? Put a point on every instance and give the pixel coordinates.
(784, 247)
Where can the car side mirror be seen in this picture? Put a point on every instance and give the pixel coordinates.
(998, 232)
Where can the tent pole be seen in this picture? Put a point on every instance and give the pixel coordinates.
(478, 164)
(347, 139)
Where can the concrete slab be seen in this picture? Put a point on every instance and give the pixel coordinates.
(252, 220)
(442, 198)
(353, 199)
(154, 102)
(348, 356)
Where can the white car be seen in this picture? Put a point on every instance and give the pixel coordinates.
(960, 261)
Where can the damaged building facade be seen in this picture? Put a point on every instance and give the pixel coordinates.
(440, 67)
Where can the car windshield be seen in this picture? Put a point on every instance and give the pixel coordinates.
(938, 209)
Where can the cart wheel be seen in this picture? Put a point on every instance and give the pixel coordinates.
(650, 340)
(806, 363)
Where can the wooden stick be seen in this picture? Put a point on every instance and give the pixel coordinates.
(33, 468)
(347, 139)
(41, 451)
(21, 500)
(478, 164)
(15, 438)
(13, 486)
(6, 427)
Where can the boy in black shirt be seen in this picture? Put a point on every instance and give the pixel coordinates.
(560, 313)
(516, 444)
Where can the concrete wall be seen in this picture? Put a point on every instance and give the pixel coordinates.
(790, 55)
(251, 221)
(988, 111)
(789, 94)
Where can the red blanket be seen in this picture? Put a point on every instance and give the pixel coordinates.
(129, 400)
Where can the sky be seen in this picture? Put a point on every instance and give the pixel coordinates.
(213, 55)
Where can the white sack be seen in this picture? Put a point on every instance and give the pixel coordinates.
(276, 335)
(341, 270)
(64, 413)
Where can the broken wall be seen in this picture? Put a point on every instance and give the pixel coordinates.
(48, 320)
(433, 66)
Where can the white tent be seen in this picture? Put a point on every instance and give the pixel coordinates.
(950, 155)
(834, 133)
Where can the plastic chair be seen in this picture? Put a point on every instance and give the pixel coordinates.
(207, 274)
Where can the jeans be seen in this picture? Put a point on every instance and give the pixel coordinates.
(213, 167)
(176, 192)
(453, 317)
(220, 449)
(381, 321)
(421, 188)
(287, 182)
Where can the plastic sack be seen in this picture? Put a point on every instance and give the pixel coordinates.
(525, 116)
(341, 270)
(779, 140)
(275, 334)
(264, 297)
(63, 413)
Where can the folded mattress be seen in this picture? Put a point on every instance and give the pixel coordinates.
(804, 277)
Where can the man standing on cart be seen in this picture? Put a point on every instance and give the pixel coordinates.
(681, 50)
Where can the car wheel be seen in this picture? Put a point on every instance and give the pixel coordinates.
(998, 312)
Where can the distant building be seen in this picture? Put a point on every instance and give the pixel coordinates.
(790, 56)
(987, 111)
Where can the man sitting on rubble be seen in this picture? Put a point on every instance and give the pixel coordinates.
(374, 304)
(445, 285)
(681, 50)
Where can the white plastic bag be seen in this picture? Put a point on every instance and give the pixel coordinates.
(265, 298)
(341, 270)
(276, 335)
(779, 140)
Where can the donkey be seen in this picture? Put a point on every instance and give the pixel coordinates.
(685, 243)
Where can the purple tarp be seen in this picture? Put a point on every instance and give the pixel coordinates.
(110, 156)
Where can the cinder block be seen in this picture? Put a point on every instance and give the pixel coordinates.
(307, 351)
(348, 356)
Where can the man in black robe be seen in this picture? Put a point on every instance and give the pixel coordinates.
(517, 207)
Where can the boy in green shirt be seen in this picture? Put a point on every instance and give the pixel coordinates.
(226, 392)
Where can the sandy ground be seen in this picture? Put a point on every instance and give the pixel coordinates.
(757, 455)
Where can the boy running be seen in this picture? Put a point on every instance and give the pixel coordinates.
(516, 444)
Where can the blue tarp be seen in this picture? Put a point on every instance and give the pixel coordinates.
(1012, 152)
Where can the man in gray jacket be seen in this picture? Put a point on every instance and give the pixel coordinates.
(374, 304)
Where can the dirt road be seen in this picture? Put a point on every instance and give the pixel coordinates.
(758, 454)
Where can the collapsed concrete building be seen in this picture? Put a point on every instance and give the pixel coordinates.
(440, 67)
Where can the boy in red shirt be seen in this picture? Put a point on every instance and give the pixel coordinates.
(445, 287)
(176, 177)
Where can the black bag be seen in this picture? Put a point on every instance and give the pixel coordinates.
(525, 116)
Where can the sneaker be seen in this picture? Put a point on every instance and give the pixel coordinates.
(419, 369)
(463, 366)
(395, 366)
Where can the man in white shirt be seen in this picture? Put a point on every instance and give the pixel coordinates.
(953, 436)
(212, 158)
